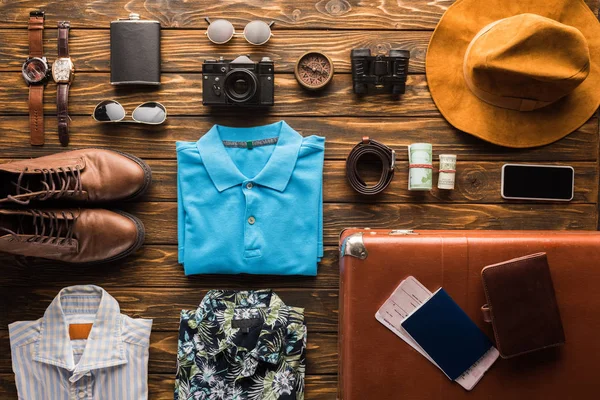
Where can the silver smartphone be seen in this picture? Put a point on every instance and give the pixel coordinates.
(537, 182)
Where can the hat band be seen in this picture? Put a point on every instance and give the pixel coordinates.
(512, 103)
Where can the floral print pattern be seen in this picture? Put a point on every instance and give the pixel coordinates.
(245, 345)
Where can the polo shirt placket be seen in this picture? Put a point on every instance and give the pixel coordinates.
(252, 226)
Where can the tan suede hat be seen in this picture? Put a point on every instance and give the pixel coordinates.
(517, 73)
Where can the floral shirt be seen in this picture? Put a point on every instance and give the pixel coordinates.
(245, 345)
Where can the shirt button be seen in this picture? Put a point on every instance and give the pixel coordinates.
(249, 185)
(81, 394)
(251, 220)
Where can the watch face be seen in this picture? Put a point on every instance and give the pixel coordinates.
(61, 70)
(35, 70)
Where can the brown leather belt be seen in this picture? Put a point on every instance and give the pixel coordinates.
(379, 150)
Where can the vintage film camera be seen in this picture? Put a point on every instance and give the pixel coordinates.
(241, 82)
(379, 73)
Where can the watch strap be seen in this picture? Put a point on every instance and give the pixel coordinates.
(62, 108)
(63, 38)
(36, 34)
(36, 114)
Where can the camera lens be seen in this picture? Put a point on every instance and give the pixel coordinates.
(240, 85)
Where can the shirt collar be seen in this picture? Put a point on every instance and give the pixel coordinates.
(269, 345)
(104, 346)
(276, 173)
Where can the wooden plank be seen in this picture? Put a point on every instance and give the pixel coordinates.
(342, 134)
(164, 306)
(160, 218)
(165, 272)
(90, 48)
(182, 95)
(160, 386)
(476, 182)
(321, 14)
(321, 355)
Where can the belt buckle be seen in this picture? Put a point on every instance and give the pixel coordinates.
(393, 159)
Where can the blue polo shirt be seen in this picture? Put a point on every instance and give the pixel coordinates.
(255, 209)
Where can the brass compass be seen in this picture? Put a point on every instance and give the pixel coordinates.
(314, 70)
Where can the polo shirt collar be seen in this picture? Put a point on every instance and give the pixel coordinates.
(104, 346)
(275, 174)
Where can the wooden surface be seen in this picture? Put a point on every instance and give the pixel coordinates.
(151, 284)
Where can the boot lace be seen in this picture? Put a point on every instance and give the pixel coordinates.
(48, 227)
(57, 183)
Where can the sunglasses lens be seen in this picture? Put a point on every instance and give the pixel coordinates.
(220, 31)
(109, 110)
(257, 32)
(150, 113)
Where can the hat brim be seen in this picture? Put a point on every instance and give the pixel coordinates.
(504, 127)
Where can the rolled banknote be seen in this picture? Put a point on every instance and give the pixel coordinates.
(447, 171)
(420, 175)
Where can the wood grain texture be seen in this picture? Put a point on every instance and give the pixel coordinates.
(160, 386)
(165, 273)
(160, 218)
(321, 14)
(342, 134)
(151, 283)
(164, 306)
(320, 356)
(185, 50)
(476, 182)
(182, 95)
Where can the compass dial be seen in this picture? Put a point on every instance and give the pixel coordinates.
(314, 70)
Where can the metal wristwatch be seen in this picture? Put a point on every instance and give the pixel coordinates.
(36, 72)
(63, 72)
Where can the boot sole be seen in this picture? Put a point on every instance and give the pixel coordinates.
(141, 234)
(142, 164)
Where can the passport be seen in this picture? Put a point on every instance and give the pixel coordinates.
(447, 334)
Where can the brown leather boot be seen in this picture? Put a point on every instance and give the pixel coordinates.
(70, 235)
(91, 175)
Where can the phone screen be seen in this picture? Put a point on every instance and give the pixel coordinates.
(537, 182)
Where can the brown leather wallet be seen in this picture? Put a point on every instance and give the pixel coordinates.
(521, 305)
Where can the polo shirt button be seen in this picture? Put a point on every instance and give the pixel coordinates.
(249, 185)
(251, 220)
(81, 394)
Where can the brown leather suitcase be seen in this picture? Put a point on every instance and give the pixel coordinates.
(376, 364)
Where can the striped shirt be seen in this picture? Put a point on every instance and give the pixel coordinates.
(111, 364)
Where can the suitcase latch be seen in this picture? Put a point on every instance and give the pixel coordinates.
(402, 232)
(354, 246)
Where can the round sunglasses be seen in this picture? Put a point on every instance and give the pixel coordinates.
(150, 112)
(221, 31)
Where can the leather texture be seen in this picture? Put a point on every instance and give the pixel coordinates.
(63, 38)
(62, 108)
(70, 235)
(374, 148)
(135, 52)
(92, 175)
(522, 305)
(36, 115)
(377, 364)
(62, 89)
(36, 92)
(36, 33)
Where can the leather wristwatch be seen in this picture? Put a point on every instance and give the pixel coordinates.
(63, 72)
(36, 73)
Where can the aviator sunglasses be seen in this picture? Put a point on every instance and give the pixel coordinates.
(221, 31)
(150, 112)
